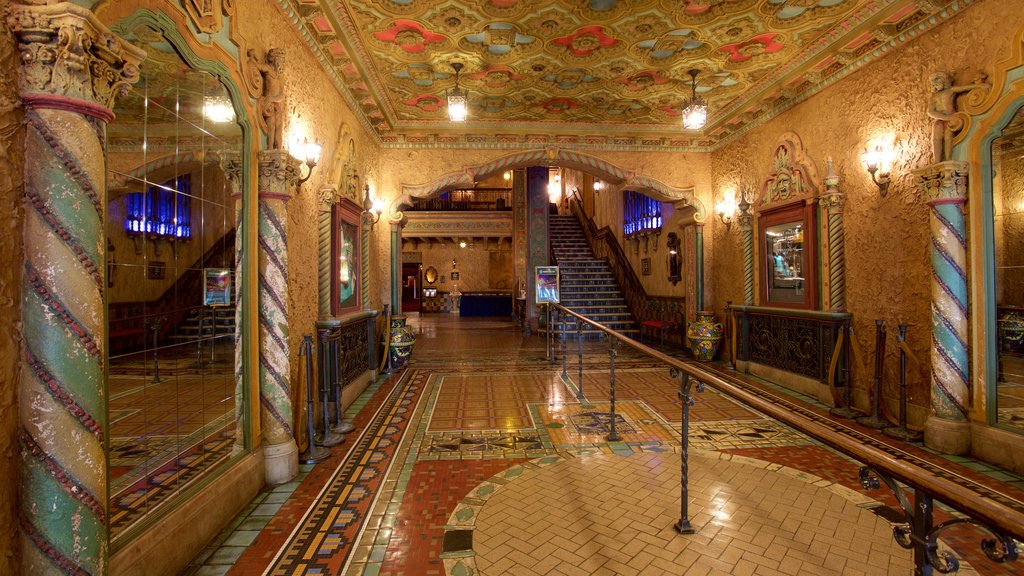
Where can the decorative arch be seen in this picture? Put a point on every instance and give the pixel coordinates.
(573, 159)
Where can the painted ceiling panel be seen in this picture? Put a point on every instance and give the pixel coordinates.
(580, 70)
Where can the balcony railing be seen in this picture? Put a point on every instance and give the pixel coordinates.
(477, 199)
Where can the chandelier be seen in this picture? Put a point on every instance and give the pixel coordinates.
(695, 112)
(458, 98)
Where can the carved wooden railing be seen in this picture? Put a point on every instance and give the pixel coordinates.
(478, 199)
(129, 320)
(605, 245)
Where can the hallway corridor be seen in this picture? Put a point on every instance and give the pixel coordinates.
(479, 459)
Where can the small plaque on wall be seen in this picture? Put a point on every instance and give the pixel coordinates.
(155, 270)
(645, 266)
(455, 276)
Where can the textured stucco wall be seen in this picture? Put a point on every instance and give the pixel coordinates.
(473, 264)
(887, 239)
(11, 185)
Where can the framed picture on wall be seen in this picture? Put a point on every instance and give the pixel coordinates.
(345, 257)
(645, 266)
(216, 287)
(455, 276)
(155, 270)
(546, 280)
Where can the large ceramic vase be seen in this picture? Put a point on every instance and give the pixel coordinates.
(705, 335)
(401, 344)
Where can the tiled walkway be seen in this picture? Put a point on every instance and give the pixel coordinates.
(481, 459)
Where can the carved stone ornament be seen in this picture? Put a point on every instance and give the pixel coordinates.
(328, 196)
(279, 173)
(206, 14)
(793, 175)
(944, 181)
(231, 164)
(70, 60)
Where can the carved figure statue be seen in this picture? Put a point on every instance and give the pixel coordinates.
(942, 109)
(271, 102)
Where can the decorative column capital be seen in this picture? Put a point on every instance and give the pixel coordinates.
(231, 164)
(833, 202)
(328, 196)
(943, 182)
(279, 173)
(70, 60)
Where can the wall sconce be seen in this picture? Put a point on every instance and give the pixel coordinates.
(725, 209)
(598, 186)
(507, 175)
(878, 163)
(310, 152)
(372, 209)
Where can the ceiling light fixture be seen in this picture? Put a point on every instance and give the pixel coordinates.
(218, 110)
(695, 112)
(458, 98)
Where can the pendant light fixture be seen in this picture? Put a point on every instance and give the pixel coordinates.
(458, 99)
(695, 112)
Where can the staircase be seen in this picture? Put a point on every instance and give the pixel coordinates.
(587, 284)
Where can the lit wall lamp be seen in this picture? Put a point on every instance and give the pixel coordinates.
(372, 209)
(598, 186)
(310, 152)
(878, 163)
(725, 209)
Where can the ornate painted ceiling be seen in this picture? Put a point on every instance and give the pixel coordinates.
(593, 73)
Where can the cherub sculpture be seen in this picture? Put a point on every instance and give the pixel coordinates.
(942, 109)
(271, 103)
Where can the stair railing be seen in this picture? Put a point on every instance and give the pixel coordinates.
(605, 245)
(981, 502)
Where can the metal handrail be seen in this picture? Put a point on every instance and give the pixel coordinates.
(999, 514)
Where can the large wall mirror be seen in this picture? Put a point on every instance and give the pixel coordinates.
(170, 226)
(1008, 235)
(788, 261)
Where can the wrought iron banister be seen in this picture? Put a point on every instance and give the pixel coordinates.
(998, 513)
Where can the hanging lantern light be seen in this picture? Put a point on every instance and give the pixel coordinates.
(458, 98)
(695, 112)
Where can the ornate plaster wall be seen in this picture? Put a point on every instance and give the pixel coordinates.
(887, 239)
(480, 268)
(12, 170)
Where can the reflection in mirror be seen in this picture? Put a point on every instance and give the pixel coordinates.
(170, 225)
(1008, 228)
(785, 251)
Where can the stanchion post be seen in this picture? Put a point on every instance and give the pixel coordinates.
(901, 432)
(561, 344)
(875, 420)
(327, 351)
(579, 352)
(683, 526)
(613, 436)
(313, 453)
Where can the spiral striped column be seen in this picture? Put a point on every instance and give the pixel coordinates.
(327, 199)
(945, 184)
(833, 202)
(232, 166)
(63, 407)
(278, 175)
(747, 226)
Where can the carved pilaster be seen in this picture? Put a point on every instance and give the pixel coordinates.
(278, 176)
(832, 201)
(746, 221)
(944, 184)
(72, 69)
(328, 197)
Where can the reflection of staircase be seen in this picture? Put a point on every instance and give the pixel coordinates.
(207, 322)
(587, 284)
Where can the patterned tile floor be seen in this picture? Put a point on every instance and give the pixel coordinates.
(483, 459)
